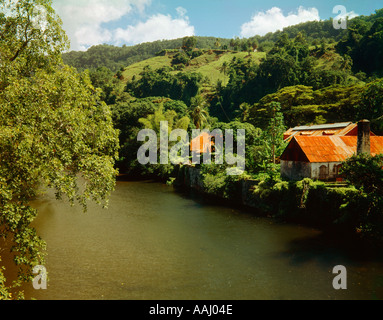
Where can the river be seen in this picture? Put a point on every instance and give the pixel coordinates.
(154, 243)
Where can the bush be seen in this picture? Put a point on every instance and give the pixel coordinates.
(180, 58)
(310, 202)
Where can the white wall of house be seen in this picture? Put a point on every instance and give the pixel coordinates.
(325, 171)
(298, 170)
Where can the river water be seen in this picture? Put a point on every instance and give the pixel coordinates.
(154, 244)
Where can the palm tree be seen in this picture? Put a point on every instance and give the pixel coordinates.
(217, 43)
(199, 113)
(232, 43)
(244, 110)
(224, 68)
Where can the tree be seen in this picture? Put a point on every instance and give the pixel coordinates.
(279, 70)
(368, 55)
(244, 111)
(365, 173)
(30, 38)
(232, 43)
(245, 45)
(199, 114)
(272, 139)
(153, 122)
(254, 44)
(189, 43)
(371, 104)
(180, 58)
(105, 79)
(276, 128)
(224, 68)
(162, 82)
(54, 129)
(235, 43)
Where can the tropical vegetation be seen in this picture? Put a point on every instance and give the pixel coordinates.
(70, 121)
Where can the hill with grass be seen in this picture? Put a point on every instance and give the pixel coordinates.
(208, 64)
(115, 58)
(312, 63)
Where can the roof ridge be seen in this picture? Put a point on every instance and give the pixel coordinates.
(323, 126)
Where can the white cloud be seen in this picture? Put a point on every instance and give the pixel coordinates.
(349, 15)
(157, 27)
(83, 19)
(274, 19)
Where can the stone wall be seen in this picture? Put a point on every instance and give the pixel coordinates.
(191, 177)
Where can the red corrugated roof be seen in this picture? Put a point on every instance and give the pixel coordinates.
(201, 144)
(331, 148)
(336, 129)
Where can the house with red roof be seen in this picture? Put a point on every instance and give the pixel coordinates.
(321, 156)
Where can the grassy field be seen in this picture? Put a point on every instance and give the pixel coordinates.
(208, 64)
(136, 68)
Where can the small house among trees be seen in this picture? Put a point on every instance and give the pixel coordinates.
(321, 157)
(204, 143)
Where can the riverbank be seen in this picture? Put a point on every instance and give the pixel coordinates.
(338, 209)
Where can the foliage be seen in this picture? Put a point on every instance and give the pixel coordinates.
(311, 202)
(105, 79)
(302, 105)
(289, 63)
(53, 129)
(153, 122)
(273, 135)
(189, 43)
(364, 44)
(115, 58)
(366, 174)
(199, 114)
(181, 86)
(217, 182)
(180, 58)
(371, 105)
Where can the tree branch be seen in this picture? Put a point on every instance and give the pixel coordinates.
(24, 45)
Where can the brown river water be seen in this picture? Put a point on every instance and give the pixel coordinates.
(156, 244)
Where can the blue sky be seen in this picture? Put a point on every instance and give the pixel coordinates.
(118, 22)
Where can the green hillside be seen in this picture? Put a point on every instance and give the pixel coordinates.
(233, 77)
(209, 64)
(114, 57)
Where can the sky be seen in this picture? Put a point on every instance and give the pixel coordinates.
(130, 22)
